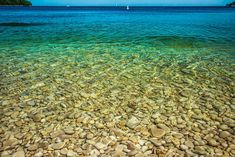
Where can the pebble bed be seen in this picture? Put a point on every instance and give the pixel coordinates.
(108, 105)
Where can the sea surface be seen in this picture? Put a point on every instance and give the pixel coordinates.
(97, 69)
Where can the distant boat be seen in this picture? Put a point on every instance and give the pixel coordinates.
(67, 6)
(127, 7)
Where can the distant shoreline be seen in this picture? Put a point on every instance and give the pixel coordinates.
(112, 6)
(15, 5)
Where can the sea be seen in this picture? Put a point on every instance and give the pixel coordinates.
(149, 72)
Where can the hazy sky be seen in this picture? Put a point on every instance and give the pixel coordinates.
(131, 2)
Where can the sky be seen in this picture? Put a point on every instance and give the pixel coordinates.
(130, 2)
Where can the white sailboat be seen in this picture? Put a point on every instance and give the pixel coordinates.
(127, 7)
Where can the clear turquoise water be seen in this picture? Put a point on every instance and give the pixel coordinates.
(96, 59)
(181, 36)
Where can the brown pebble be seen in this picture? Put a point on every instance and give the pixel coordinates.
(157, 132)
(57, 146)
(19, 154)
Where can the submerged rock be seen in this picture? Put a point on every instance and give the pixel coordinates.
(39, 154)
(133, 122)
(157, 132)
(189, 144)
(71, 154)
(156, 142)
(232, 107)
(100, 146)
(31, 103)
(32, 147)
(69, 130)
(19, 154)
(224, 134)
(5, 154)
(183, 147)
(58, 146)
(212, 142)
(199, 150)
(11, 142)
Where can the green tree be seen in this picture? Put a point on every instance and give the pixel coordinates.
(15, 2)
(231, 4)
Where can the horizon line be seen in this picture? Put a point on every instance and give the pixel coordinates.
(118, 5)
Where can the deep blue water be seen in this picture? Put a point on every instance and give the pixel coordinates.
(115, 24)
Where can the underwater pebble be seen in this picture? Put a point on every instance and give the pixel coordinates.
(224, 134)
(157, 132)
(212, 142)
(19, 154)
(39, 154)
(156, 142)
(37, 117)
(224, 127)
(58, 146)
(89, 136)
(99, 126)
(200, 150)
(132, 122)
(31, 103)
(64, 151)
(232, 107)
(94, 153)
(69, 130)
(183, 147)
(100, 146)
(177, 135)
(132, 153)
(71, 153)
(32, 147)
(164, 127)
(11, 142)
(5, 154)
(189, 144)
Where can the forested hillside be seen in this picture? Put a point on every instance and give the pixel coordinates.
(15, 2)
(231, 4)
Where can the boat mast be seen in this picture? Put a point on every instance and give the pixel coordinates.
(127, 7)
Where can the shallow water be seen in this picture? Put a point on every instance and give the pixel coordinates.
(93, 69)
